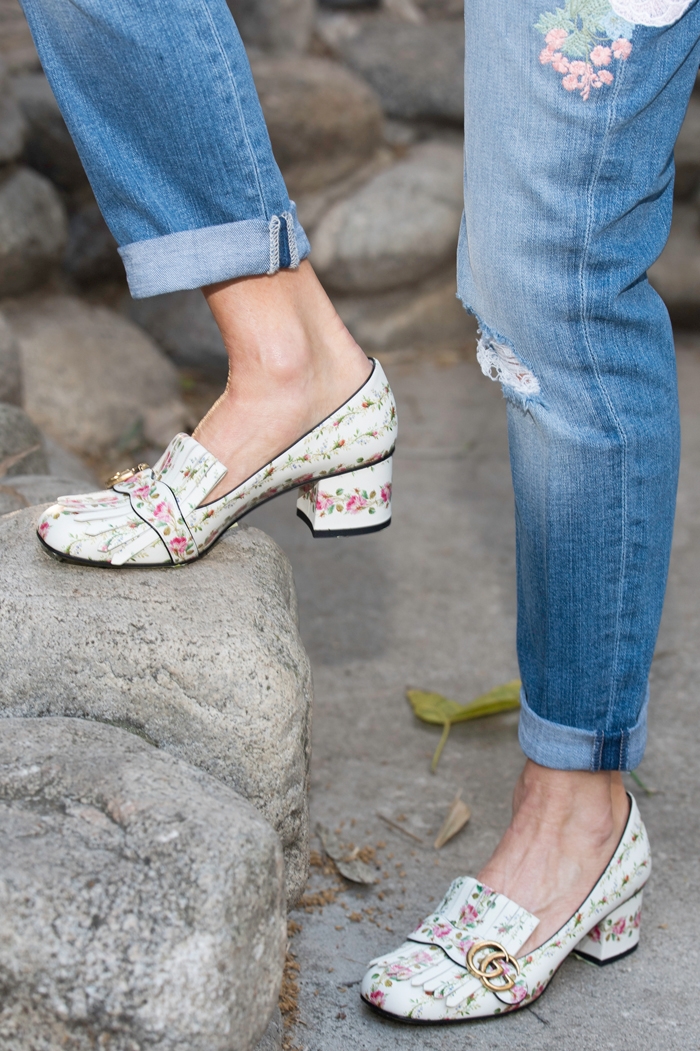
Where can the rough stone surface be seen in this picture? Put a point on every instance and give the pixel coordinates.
(10, 366)
(399, 227)
(687, 152)
(324, 121)
(91, 377)
(49, 148)
(91, 253)
(16, 44)
(417, 70)
(142, 901)
(206, 662)
(21, 448)
(676, 274)
(182, 324)
(428, 316)
(13, 127)
(274, 1034)
(32, 230)
(274, 25)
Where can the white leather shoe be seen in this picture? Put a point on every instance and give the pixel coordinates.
(155, 516)
(462, 962)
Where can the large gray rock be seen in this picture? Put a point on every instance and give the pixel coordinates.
(417, 70)
(141, 901)
(33, 230)
(324, 122)
(13, 126)
(183, 325)
(92, 378)
(206, 663)
(676, 274)
(21, 448)
(10, 366)
(91, 253)
(49, 148)
(687, 152)
(399, 227)
(424, 317)
(27, 490)
(274, 25)
(16, 44)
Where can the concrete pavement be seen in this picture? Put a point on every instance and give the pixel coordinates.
(431, 603)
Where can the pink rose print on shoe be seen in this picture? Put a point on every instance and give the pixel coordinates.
(468, 915)
(376, 997)
(582, 40)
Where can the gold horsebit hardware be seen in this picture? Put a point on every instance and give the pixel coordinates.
(490, 967)
(124, 476)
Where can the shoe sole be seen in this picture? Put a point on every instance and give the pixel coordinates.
(318, 534)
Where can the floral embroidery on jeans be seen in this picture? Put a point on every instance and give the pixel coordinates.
(585, 40)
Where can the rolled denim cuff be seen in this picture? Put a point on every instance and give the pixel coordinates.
(569, 748)
(193, 258)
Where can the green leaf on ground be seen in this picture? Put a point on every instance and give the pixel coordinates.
(441, 711)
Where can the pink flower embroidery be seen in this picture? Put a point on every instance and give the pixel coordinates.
(442, 930)
(324, 501)
(559, 63)
(355, 504)
(518, 993)
(555, 38)
(178, 544)
(385, 494)
(160, 510)
(601, 56)
(377, 997)
(605, 76)
(594, 935)
(619, 927)
(399, 971)
(468, 914)
(142, 492)
(621, 48)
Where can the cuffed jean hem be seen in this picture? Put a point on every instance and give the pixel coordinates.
(193, 258)
(568, 748)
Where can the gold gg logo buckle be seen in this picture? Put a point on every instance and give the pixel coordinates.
(489, 967)
(124, 476)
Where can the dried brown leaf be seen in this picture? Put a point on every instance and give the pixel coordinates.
(457, 817)
(349, 864)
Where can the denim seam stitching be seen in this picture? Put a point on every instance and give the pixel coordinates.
(234, 87)
(601, 386)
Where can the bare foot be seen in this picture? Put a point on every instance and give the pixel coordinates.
(565, 827)
(292, 362)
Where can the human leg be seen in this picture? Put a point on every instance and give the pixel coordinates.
(160, 101)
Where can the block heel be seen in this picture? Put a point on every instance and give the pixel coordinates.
(348, 504)
(615, 936)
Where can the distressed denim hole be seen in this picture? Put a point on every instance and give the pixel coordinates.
(499, 362)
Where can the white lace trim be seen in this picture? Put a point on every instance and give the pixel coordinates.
(650, 12)
(498, 362)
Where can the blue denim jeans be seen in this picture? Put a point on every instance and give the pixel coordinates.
(571, 117)
(160, 101)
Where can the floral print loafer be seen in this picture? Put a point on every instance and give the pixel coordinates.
(155, 516)
(462, 962)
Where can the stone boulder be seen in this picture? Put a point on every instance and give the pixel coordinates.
(49, 148)
(16, 44)
(424, 317)
(10, 366)
(205, 663)
(91, 253)
(324, 122)
(687, 152)
(183, 325)
(92, 378)
(676, 274)
(141, 901)
(398, 228)
(33, 230)
(21, 447)
(274, 25)
(13, 127)
(27, 490)
(417, 70)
